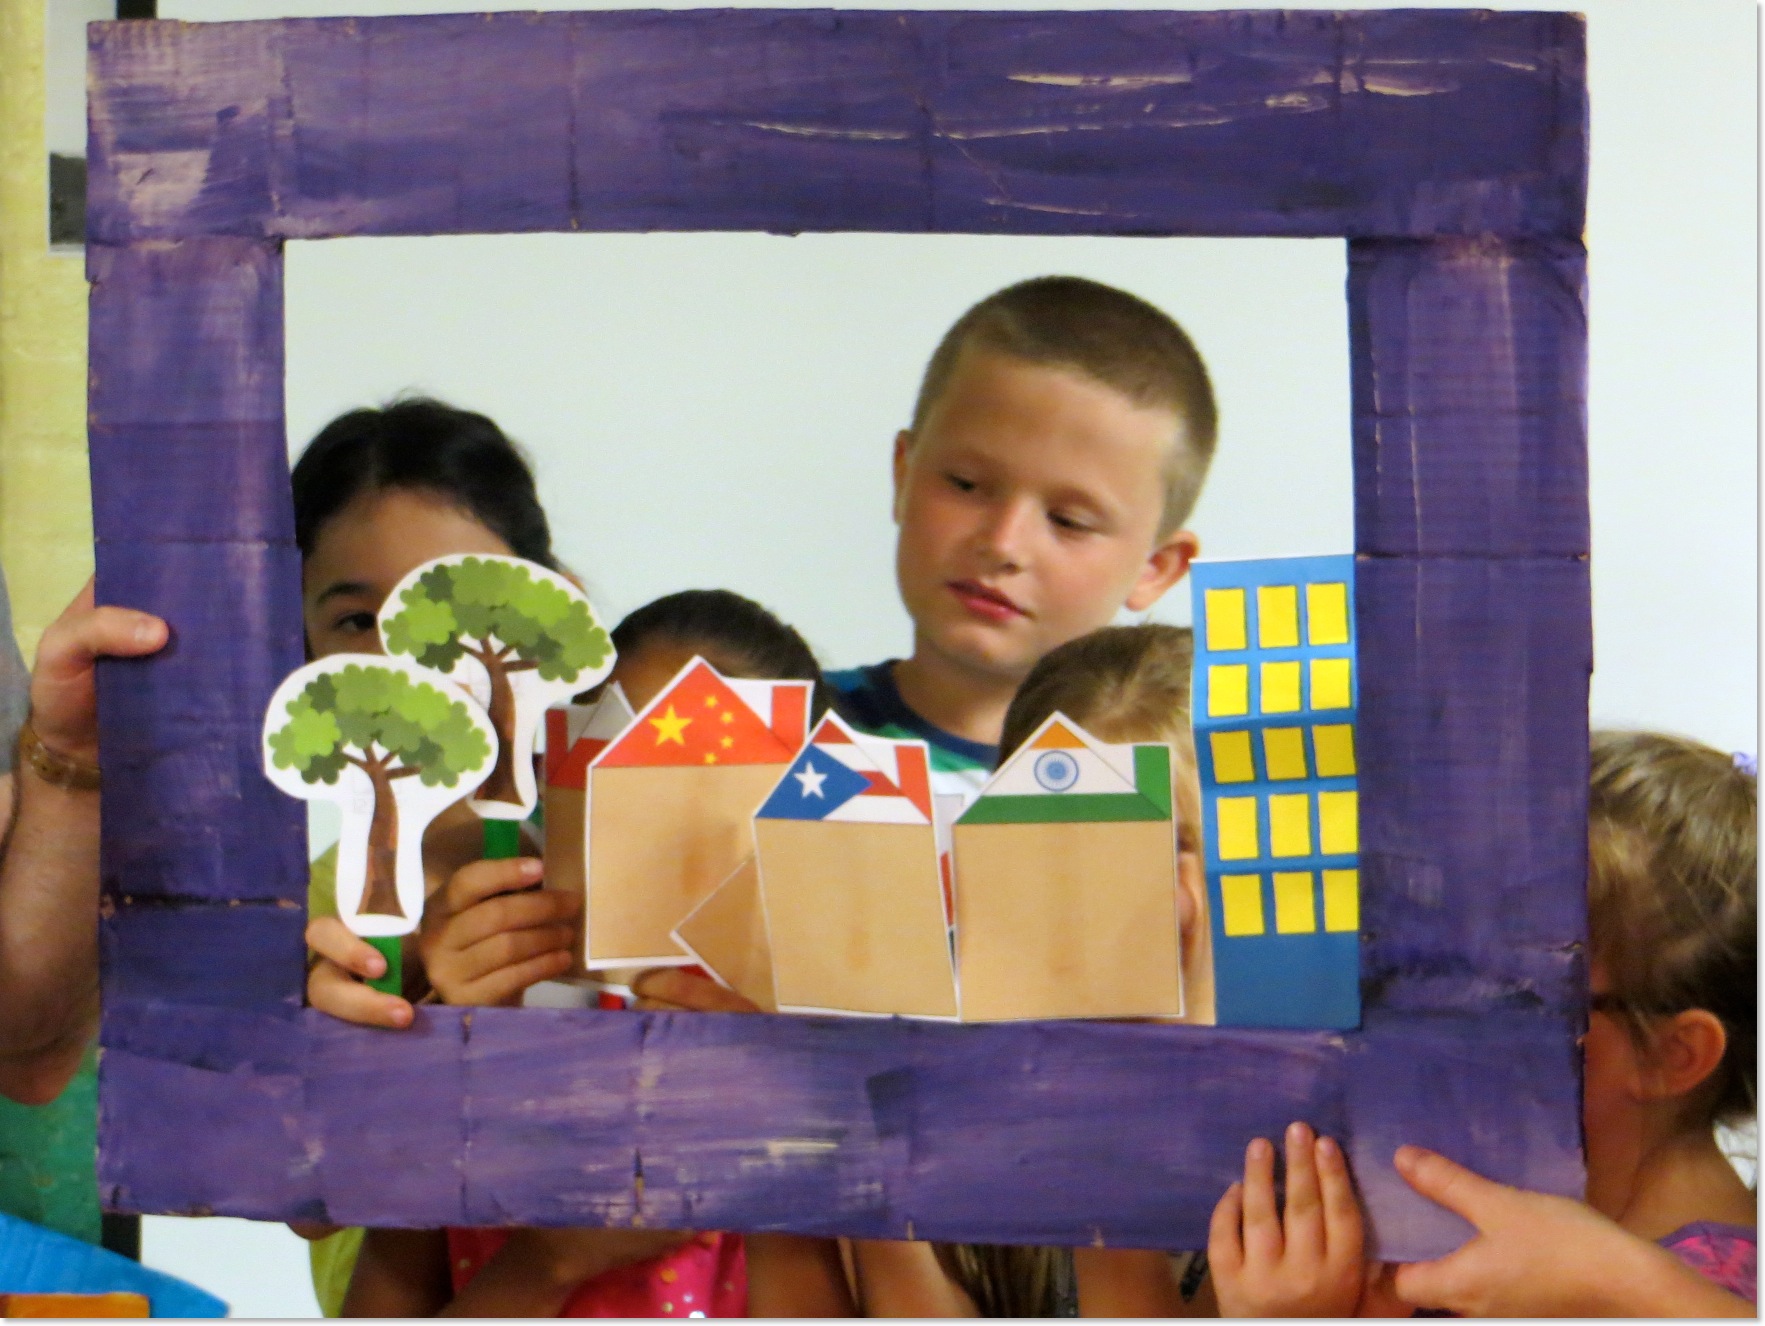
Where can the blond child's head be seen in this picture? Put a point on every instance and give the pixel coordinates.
(1673, 916)
(1060, 439)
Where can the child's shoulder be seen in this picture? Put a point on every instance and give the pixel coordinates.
(1727, 1255)
(867, 698)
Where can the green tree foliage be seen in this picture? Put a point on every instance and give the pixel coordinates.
(391, 723)
(500, 613)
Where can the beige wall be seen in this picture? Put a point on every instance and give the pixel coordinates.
(45, 493)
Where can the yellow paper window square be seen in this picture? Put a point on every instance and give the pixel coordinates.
(1326, 613)
(1277, 616)
(1331, 684)
(1225, 619)
(1241, 904)
(1339, 823)
(1283, 752)
(1342, 900)
(1289, 825)
(1237, 828)
(1280, 688)
(1333, 745)
(1231, 757)
(1228, 690)
(1295, 911)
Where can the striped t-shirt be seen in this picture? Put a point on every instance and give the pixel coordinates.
(868, 699)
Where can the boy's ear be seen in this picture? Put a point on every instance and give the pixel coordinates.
(1684, 1050)
(903, 450)
(1165, 565)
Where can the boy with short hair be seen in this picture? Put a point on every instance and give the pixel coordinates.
(1060, 439)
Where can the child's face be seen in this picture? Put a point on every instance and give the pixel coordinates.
(1028, 506)
(366, 549)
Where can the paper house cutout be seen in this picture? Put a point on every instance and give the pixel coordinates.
(574, 735)
(1066, 883)
(516, 635)
(393, 744)
(848, 873)
(726, 935)
(670, 807)
(1275, 688)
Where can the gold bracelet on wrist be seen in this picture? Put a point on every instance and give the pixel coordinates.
(52, 766)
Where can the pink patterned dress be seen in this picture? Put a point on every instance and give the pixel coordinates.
(706, 1276)
(1726, 1255)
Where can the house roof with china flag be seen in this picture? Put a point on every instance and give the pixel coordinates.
(701, 719)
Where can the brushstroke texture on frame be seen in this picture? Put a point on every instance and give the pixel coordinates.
(1447, 147)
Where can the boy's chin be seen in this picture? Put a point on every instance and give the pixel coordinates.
(987, 654)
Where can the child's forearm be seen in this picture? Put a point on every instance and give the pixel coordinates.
(1126, 1282)
(521, 1280)
(399, 1273)
(907, 1280)
(1655, 1283)
(790, 1275)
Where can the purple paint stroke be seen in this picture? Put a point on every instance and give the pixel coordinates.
(1256, 122)
(1007, 1133)
(1472, 742)
(248, 957)
(1470, 397)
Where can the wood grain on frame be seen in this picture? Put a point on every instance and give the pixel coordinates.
(1449, 147)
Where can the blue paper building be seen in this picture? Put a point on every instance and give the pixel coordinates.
(1274, 708)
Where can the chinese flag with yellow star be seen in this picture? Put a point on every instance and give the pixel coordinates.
(670, 808)
(699, 720)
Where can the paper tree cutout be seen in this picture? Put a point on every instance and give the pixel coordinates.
(1066, 883)
(1275, 733)
(670, 807)
(393, 744)
(518, 636)
(848, 872)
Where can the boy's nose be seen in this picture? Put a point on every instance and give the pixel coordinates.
(1005, 537)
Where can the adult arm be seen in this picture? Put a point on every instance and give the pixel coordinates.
(49, 863)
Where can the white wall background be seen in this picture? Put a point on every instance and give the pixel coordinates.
(717, 409)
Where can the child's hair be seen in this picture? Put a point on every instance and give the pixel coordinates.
(422, 445)
(1673, 896)
(1108, 334)
(1122, 683)
(735, 635)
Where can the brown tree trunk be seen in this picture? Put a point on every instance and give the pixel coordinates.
(500, 786)
(380, 891)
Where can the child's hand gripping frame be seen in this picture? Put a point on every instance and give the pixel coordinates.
(1449, 148)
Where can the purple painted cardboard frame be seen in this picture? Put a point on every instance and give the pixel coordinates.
(1447, 147)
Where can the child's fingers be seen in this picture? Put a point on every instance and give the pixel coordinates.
(1303, 1228)
(330, 989)
(511, 912)
(1343, 1232)
(1456, 1188)
(484, 879)
(511, 948)
(1434, 1284)
(506, 984)
(672, 988)
(332, 940)
(1225, 1242)
(1262, 1221)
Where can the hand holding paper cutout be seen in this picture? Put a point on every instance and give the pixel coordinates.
(518, 636)
(399, 745)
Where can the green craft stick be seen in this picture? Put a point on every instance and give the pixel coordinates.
(391, 948)
(502, 839)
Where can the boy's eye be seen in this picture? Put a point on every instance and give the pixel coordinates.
(1071, 524)
(960, 483)
(355, 621)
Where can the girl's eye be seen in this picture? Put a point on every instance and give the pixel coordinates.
(960, 483)
(356, 621)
